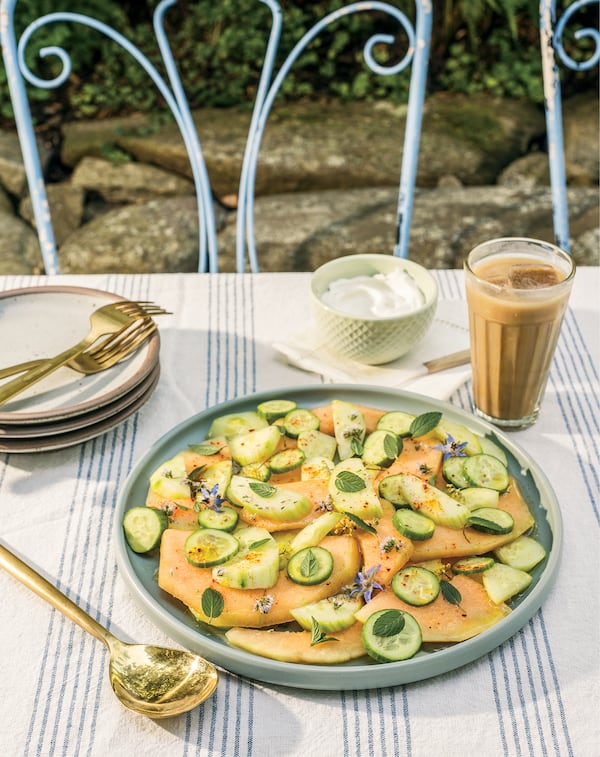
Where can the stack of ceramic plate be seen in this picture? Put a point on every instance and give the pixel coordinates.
(66, 407)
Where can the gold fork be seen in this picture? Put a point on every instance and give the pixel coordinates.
(107, 352)
(110, 319)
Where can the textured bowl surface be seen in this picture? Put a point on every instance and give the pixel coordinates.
(371, 340)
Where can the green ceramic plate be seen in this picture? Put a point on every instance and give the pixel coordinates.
(173, 618)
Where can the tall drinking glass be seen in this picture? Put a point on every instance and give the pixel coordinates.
(517, 294)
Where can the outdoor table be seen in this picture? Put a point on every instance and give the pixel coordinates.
(535, 694)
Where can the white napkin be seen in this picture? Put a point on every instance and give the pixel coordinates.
(449, 332)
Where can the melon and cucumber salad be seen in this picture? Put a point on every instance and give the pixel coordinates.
(321, 535)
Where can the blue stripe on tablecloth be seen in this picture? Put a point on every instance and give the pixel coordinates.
(251, 338)
(520, 696)
(579, 411)
(532, 686)
(559, 701)
(99, 451)
(54, 652)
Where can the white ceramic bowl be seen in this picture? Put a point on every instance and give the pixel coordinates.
(371, 340)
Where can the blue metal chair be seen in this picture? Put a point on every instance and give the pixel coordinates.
(553, 52)
(172, 90)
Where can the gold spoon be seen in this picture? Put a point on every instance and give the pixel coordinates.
(153, 681)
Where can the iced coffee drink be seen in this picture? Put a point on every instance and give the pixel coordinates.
(517, 293)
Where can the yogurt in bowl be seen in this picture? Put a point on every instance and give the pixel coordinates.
(381, 295)
(372, 308)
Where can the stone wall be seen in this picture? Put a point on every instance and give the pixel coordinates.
(326, 186)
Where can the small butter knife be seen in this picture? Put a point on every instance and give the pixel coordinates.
(448, 361)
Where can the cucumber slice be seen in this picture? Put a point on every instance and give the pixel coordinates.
(315, 443)
(143, 527)
(224, 520)
(255, 566)
(332, 614)
(208, 546)
(391, 636)
(413, 525)
(432, 502)
(218, 474)
(235, 423)
(316, 468)
(491, 520)
(271, 410)
(299, 420)
(397, 422)
(258, 471)
(351, 490)
(286, 460)
(255, 446)
(349, 428)
(452, 470)
(470, 565)
(415, 585)
(523, 553)
(311, 565)
(311, 535)
(273, 502)
(389, 488)
(491, 448)
(460, 434)
(435, 565)
(170, 480)
(487, 471)
(381, 448)
(503, 582)
(477, 496)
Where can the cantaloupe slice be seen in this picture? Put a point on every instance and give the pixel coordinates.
(371, 547)
(180, 512)
(418, 457)
(195, 459)
(325, 416)
(442, 621)
(294, 646)
(451, 542)
(188, 583)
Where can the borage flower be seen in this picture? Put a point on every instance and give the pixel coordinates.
(452, 448)
(211, 498)
(364, 584)
(388, 544)
(264, 604)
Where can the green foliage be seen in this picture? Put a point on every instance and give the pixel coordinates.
(478, 46)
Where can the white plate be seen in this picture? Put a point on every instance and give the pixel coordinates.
(139, 571)
(41, 322)
(33, 430)
(83, 434)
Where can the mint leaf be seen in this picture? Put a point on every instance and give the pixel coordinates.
(357, 446)
(346, 481)
(205, 448)
(262, 490)
(212, 603)
(360, 522)
(309, 565)
(450, 593)
(318, 636)
(424, 423)
(259, 543)
(390, 623)
(390, 446)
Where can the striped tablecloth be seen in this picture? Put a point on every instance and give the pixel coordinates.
(537, 694)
